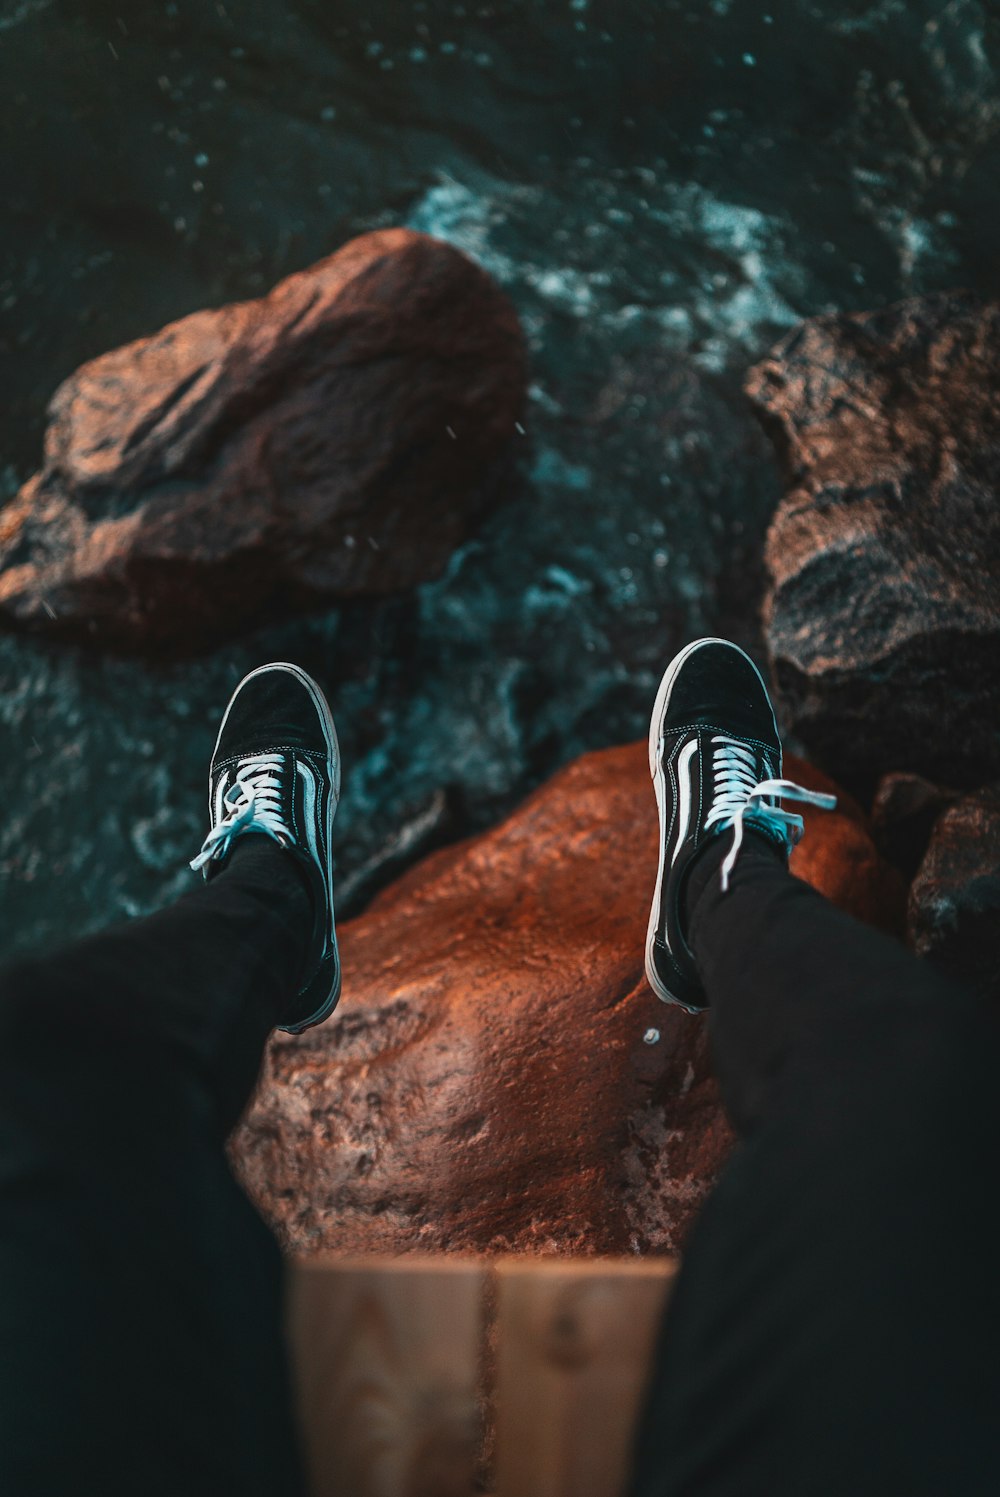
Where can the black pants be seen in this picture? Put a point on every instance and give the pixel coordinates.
(834, 1329)
(835, 1324)
(141, 1347)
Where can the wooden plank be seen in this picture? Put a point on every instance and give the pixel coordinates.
(574, 1344)
(386, 1355)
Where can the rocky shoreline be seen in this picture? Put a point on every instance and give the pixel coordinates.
(484, 1084)
(883, 614)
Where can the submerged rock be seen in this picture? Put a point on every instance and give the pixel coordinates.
(338, 437)
(883, 619)
(498, 1075)
(954, 905)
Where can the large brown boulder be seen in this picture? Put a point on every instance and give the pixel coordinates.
(485, 1083)
(337, 437)
(883, 620)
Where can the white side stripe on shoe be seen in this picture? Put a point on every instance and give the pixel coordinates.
(220, 791)
(687, 753)
(309, 791)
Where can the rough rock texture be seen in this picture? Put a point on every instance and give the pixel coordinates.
(337, 437)
(883, 619)
(904, 811)
(954, 904)
(485, 1083)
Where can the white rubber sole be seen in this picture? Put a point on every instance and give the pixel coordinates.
(660, 706)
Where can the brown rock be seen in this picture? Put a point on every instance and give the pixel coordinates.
(484, 1084)
(340, 436)
(883, 620)
(904, 811)
(954, 906)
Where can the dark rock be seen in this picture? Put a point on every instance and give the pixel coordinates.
(904, 811)
(484, 1084)
(338, 437)
(883, 619)
(954, 905)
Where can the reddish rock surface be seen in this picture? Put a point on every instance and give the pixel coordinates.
(883, 620)
(484, 1084)
(337, 437)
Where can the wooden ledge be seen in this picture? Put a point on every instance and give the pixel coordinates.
(438, 1376)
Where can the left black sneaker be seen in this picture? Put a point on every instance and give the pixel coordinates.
(276, 771)
(715, 759)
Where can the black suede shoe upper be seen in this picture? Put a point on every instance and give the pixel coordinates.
(711, 696)
(719, 687)
(276, 771)
(270, 711)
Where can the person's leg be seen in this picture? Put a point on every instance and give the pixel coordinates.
(834, 1322)
(140, 1293)
(781, 965)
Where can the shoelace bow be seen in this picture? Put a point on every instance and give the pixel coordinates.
(252, 800)
(738, 795)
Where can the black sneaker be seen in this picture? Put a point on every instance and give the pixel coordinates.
(715, 759)
(276, 770)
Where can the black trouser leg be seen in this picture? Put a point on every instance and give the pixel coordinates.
(835, 1322)
(140, 1293)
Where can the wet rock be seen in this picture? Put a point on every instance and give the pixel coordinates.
(883, 619)
(904, 811)
(954, 904)
(337, 438)
(489, 1081)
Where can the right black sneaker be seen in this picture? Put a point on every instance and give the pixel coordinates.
(715, 759)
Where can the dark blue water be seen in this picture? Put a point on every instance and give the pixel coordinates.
(661, 188)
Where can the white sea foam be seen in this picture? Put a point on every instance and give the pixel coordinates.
(749, 294)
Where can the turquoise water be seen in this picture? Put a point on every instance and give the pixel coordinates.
(661, 188)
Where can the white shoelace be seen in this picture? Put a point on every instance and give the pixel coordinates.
(253, 800)
(738, 795)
